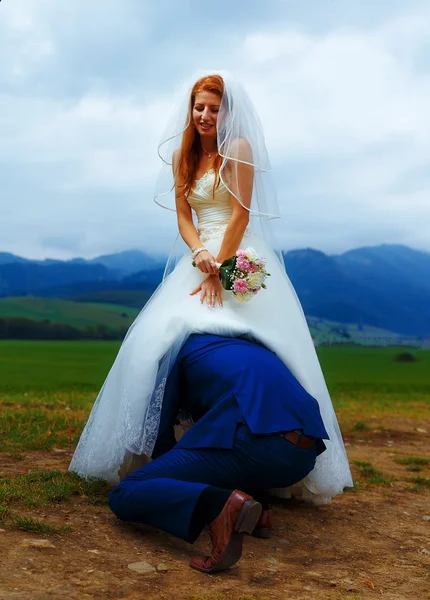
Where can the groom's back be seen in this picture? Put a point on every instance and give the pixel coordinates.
(212, 365)
(233, 380)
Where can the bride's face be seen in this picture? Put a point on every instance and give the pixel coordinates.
(205, 114)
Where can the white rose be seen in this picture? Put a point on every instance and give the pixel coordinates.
(251, 254)
(253, 280)
(261, 278)
(243, 296)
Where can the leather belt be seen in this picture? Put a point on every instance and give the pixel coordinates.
(298, 439)
(295, 436)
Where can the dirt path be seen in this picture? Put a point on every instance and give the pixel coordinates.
(370, 542)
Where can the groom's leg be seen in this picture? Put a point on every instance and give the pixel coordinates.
(166, 492)
(162, 502)
(173, 492)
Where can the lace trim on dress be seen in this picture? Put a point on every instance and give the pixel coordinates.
(152, 422)
(215, 231)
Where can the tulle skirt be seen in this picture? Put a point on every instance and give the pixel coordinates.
(125, 417)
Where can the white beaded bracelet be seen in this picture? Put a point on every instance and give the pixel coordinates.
(194, 254)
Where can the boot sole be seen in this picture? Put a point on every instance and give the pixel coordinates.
(248, 517)
(262, 532)
(245, 523)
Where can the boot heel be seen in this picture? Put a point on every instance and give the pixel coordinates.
(248, 517)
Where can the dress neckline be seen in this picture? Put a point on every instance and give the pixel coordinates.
(205, 173)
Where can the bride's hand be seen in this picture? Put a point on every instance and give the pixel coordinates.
(206, 263)
(210, 290)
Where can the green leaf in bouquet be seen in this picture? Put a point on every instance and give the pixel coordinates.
(230, 262)
(225, 271)
(224, 275)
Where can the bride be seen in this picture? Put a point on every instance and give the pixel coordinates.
(216, 175)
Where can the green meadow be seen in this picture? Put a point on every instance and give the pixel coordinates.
(83, 365)
(48, 366)
(47, 388)
(75, 314)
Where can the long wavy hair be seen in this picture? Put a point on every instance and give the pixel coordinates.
(191, 144)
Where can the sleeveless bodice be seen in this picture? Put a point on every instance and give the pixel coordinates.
(213, 211)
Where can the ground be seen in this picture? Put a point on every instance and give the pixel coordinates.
(372, 541)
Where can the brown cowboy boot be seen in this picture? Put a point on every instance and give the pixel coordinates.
(239, 516)
(264, 527)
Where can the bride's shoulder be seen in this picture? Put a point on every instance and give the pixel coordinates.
(240, 149)
(175, 158)
(240, 144)
(175, 168)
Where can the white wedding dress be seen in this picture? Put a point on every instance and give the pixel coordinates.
(125, 416)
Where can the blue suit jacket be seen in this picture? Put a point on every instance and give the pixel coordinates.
(220, 382)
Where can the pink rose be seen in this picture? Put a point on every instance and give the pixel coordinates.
(241, 253)
(253, 268)
(243, 264)
(240, 286)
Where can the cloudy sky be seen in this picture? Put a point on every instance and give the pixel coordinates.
(342, 88)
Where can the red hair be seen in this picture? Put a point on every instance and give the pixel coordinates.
(191, 145)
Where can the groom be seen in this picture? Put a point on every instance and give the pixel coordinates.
(255, 428)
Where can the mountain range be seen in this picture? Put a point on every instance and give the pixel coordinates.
(385, 286)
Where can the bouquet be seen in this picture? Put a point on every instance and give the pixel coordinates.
(243, 274)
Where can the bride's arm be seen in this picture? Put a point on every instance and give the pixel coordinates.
(242, 178)
(188, 230)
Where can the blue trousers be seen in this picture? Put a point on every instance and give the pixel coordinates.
(164, 493)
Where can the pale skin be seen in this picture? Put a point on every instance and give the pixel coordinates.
(204, 116)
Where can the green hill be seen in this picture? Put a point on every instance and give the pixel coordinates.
(114, 316)
(75, 314)
(325, 332)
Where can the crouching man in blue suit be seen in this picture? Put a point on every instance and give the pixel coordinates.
(255, 428)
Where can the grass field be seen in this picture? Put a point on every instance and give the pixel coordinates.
(40, 365)
(55, 366)
(47, 388)
(75, 314)
(59, 540)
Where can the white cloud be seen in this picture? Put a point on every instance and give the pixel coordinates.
(344, 109)
(336, 93)
(105, 141)
(23, 40)
(350, 109)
